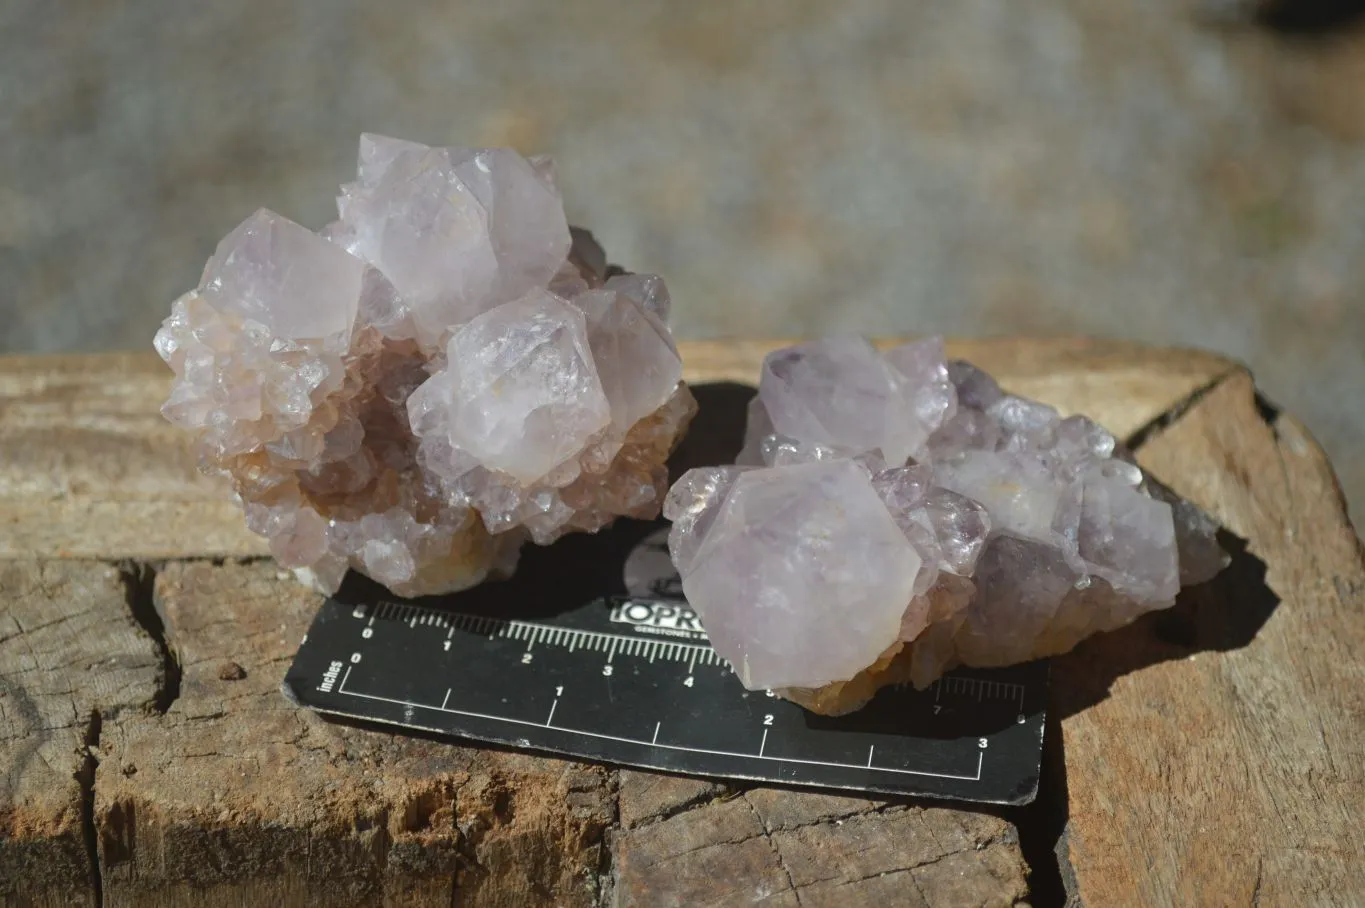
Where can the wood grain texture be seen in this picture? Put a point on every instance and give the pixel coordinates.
(702, 844)
(71, 659)
(235, 796)
(1216, 755)
(89, 469)
(1212, 754)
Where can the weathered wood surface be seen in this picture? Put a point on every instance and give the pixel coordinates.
(70, 654)
(234, 796)
(1217, 755)
(1212, 756)
(89, 469)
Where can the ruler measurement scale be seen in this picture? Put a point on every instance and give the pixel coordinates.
(533, 633)
(576, 685)
(654, 740)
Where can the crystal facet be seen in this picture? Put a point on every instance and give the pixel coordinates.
(898, 514)
(440, 374)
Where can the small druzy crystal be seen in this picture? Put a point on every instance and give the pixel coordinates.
(447, 370)
(895, 515)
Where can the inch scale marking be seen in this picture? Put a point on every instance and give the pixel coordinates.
(654, 740)
(636, 682)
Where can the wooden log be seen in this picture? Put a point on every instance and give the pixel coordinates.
(204, 786)
(89, 469)
(1216, 755)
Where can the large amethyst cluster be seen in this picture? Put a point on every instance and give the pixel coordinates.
(447, 370)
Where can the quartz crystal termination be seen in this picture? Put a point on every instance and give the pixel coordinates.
(444, 372)
(895, 515)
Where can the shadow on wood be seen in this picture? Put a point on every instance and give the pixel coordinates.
(717, 434)
(1223, 614)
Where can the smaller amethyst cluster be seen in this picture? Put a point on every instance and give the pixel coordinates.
(894, 515)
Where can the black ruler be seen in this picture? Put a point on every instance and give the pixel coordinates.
(589, 652)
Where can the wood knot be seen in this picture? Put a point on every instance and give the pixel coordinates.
(231, 671)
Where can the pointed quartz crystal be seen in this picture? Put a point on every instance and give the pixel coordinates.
(640, 365)
(840, 391)
(521, 394)
(786, 536)
(456, 230)
(284, 277)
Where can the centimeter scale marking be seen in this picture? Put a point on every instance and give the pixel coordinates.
(532, 632)
(654, 742)
(395, 683)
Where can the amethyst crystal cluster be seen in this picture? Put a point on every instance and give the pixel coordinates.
(447, 370)
(895, 515)
(450, 370)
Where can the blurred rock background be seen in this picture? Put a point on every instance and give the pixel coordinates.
(1180, 171)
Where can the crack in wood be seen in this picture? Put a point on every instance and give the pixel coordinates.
(700, 799)
(85, 777)
(606, 857)
(777, 852)
(139, 582)
(1145, 432)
